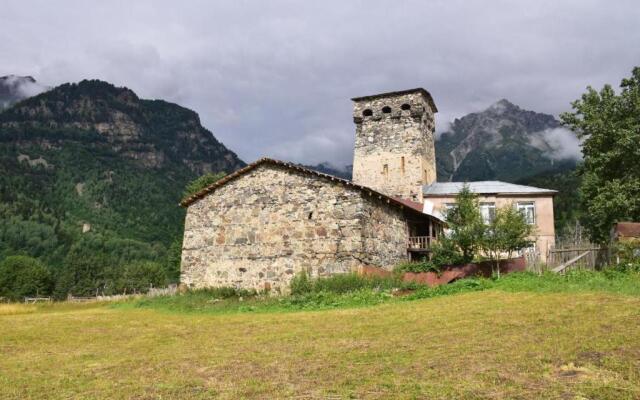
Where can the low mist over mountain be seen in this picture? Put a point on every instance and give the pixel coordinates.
(14, 88)
(90, 167)
(503, 142)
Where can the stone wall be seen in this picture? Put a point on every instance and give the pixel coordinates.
(395, 150)
(385, 235)
(260, 229)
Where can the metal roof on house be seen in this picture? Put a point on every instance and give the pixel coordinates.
(482, 187)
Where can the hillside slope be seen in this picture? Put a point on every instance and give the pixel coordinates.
(503, 142)
(92, 168)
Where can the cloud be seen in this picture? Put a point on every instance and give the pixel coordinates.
(276, 77)
(564, 144)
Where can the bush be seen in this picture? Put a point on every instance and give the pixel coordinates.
(225, 292)
(342, 283)
(301, 284)
(627, 251)
(22, 276)
(142, 275)
(445, 252)
(201, 182)
(417, 267)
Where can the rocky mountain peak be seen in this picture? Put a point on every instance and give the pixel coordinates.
(502, 106)
(154, 133)
(502, 142)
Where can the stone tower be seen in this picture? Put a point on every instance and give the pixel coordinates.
(394, 150)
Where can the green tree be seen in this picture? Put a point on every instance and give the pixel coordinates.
(173, 260)
(142, 275)
(22, 276)
(507, 233)
(609, 123)
(202, 182)
(465, 224)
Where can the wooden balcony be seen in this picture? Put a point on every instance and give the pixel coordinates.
(420, 243)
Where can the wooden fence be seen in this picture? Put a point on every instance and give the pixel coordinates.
(567, 257)
(578, 257)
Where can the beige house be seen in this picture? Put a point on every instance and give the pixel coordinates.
(535, 203)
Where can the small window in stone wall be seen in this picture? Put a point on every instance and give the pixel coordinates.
(386, 109)
(367, 113)
(385, 170)
(310, 215)
(402, 164)
(405, 107)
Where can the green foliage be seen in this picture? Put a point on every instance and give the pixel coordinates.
(507, 233)
(359, 295)
(610, 126)
(59, 173)
(140, 276)
(22, 276)
(627, 254)
(201, 182)
(419, 266)
(465, 224)
(301, 283)
(445, 252)
(172, 262)
(341, 283)
(508, 156)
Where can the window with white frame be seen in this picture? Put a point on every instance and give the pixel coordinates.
(528, 209)
(488, 212)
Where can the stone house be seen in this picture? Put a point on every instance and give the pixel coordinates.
(259, 226)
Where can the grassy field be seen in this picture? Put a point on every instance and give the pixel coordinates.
(483, 344)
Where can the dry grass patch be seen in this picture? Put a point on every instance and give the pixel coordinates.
(478, 345)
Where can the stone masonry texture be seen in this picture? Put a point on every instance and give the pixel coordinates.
(394, 147)
(260, 229)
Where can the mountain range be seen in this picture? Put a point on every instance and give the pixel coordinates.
(92, 168)
(503, 142)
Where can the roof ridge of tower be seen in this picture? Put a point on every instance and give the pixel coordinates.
(420, 90)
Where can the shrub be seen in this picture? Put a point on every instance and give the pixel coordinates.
(342, 283)
(445, 252)
(627, 251)
(417, 267)
(301, 284)
(225, 292)
(22, 276)
(201, 182)
(142, 275)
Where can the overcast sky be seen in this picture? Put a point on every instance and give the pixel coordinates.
(275, 77)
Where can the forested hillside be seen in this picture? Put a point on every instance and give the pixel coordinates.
(91, 180)
(503, 142)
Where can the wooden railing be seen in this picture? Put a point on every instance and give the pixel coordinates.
(420, 242)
